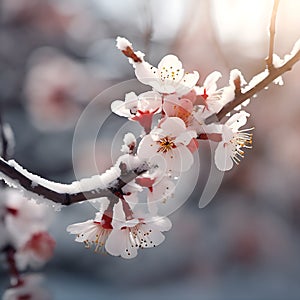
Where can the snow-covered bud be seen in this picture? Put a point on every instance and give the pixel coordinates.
(129, 143)
(126, 47)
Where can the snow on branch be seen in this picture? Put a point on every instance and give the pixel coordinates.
(271, 75)
(104, 185)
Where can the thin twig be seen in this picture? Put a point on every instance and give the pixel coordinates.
(269, 59)
(240, 98)
(13, 270)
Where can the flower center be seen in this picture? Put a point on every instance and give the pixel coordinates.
(169, 73)
(139, 236)
(182, 113)
(166, 144)
(97, 237)
(241, 139)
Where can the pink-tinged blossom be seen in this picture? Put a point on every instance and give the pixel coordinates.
(131, 193)
(25, 218)
(168, 78)
(160, 189)
(26, 226)
(191, 95)
(169, 141)
(178, 107)
(36, 251)
(199, 116)
(53, 86)
(93, 232)
(139, 108)
(143, 231)
(29, 287)
(209, 96)
(229, 150)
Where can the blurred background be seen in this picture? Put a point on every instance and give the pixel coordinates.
(57, 55)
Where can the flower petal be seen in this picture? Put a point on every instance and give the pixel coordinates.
(173, 126)
(185, 137)
(170, 62)
(161, 223)
(147, 74)
(223, 159)
(238, 120)
(116, 242)
(210, 82)
(188, 81)
(147, 148)
(118, 107)
(179, 159)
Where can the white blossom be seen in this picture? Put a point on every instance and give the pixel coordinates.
(170, 141)
(25, 218)
(160, 189)
(36, 251)
(229, 150)
(210, 94)
(139, 108)
(92, 232)
(169, 77)
(26, 225)
(144, 231)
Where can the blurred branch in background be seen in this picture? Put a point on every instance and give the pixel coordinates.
(148, 23)
(191, 13)
(4, 141)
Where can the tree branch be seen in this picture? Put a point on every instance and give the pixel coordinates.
(273, 74)
(13, 270)
(269, 59)
(12, 174)
(241, 97)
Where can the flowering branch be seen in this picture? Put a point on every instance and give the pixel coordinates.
(273, 74)
(13, 176)
(25, 243)
(175, 116)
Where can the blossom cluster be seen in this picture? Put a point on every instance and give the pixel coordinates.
(173, 116)
(25, 239)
